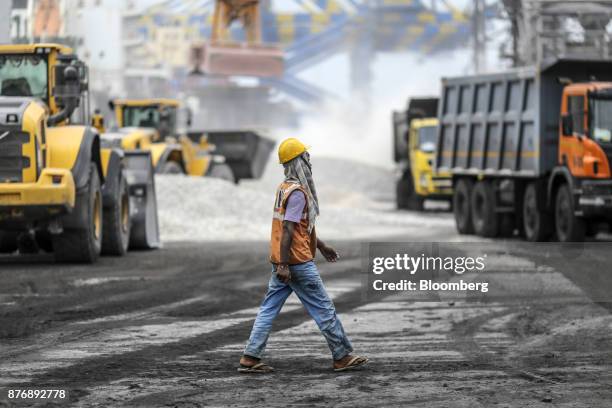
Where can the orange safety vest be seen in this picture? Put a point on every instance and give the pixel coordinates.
(304, 244)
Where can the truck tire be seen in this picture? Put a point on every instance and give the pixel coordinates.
(462, 192)
(484, 216)
(8, 241)
(507, 225)
(83, 242)
(117, 223)
(222, 171)
(416, 203)
(44, 240)
(536, 222)
(568, 227)
(403, 190)
(171, 167)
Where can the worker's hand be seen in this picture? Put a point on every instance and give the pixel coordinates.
(329, 253)
(282, 273)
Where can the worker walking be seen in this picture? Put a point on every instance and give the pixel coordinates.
(293, 245)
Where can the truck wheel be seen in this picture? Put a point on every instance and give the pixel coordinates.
(417, 203)
(507, 225)
(83, 242)
(26, 243)
(568, 227)
(536, 223)
(8, 242)
(116, 227)
(222, 171)
(461, 206)
(403, 191)
(484, 217)
(44, 240)
(171, 167)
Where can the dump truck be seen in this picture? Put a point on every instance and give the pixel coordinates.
(152, 125)
(414, 137)
(530, 150)
(60, 190)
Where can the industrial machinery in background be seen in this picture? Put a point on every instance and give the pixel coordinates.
(154, 125)
(269, 92)
(530, 150)
(546, 30)
(60, 190)
(414, 142)
(222, 56)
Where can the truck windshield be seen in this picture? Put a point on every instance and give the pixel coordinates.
(427, 139)
(23, 75)
(602, 120)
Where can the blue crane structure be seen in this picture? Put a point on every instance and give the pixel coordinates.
(318, 29)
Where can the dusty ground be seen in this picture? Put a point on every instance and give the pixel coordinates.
(166, 328)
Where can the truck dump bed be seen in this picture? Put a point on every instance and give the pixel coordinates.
(507, 123)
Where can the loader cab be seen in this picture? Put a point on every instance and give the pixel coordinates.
(585, 141)
(159, 114)
(50, 73)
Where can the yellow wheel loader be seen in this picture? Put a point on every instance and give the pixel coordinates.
(151, 124)
(60, 190)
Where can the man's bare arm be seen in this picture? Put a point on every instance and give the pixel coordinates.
(286, 240)
(282, 271)
(329, 253)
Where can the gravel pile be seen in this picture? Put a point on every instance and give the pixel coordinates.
(356, 202)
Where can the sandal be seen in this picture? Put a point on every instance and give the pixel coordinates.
(257, 368)
(353, 363)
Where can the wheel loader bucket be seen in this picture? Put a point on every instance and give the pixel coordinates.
(237, 59)
(143, 201)
(246, 152)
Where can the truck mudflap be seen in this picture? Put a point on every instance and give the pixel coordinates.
(245, 151)
(594, 198)
(143, 200)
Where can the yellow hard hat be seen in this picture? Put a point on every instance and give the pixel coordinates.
(289, 149)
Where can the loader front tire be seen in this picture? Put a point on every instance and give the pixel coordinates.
(117, 223)
(222, 171)
(82, 242)
(171, 167)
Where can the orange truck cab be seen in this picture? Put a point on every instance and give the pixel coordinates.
(530, 150)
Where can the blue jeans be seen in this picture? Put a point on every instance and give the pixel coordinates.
(308, 286)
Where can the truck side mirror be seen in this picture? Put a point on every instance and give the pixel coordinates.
(567, 125)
